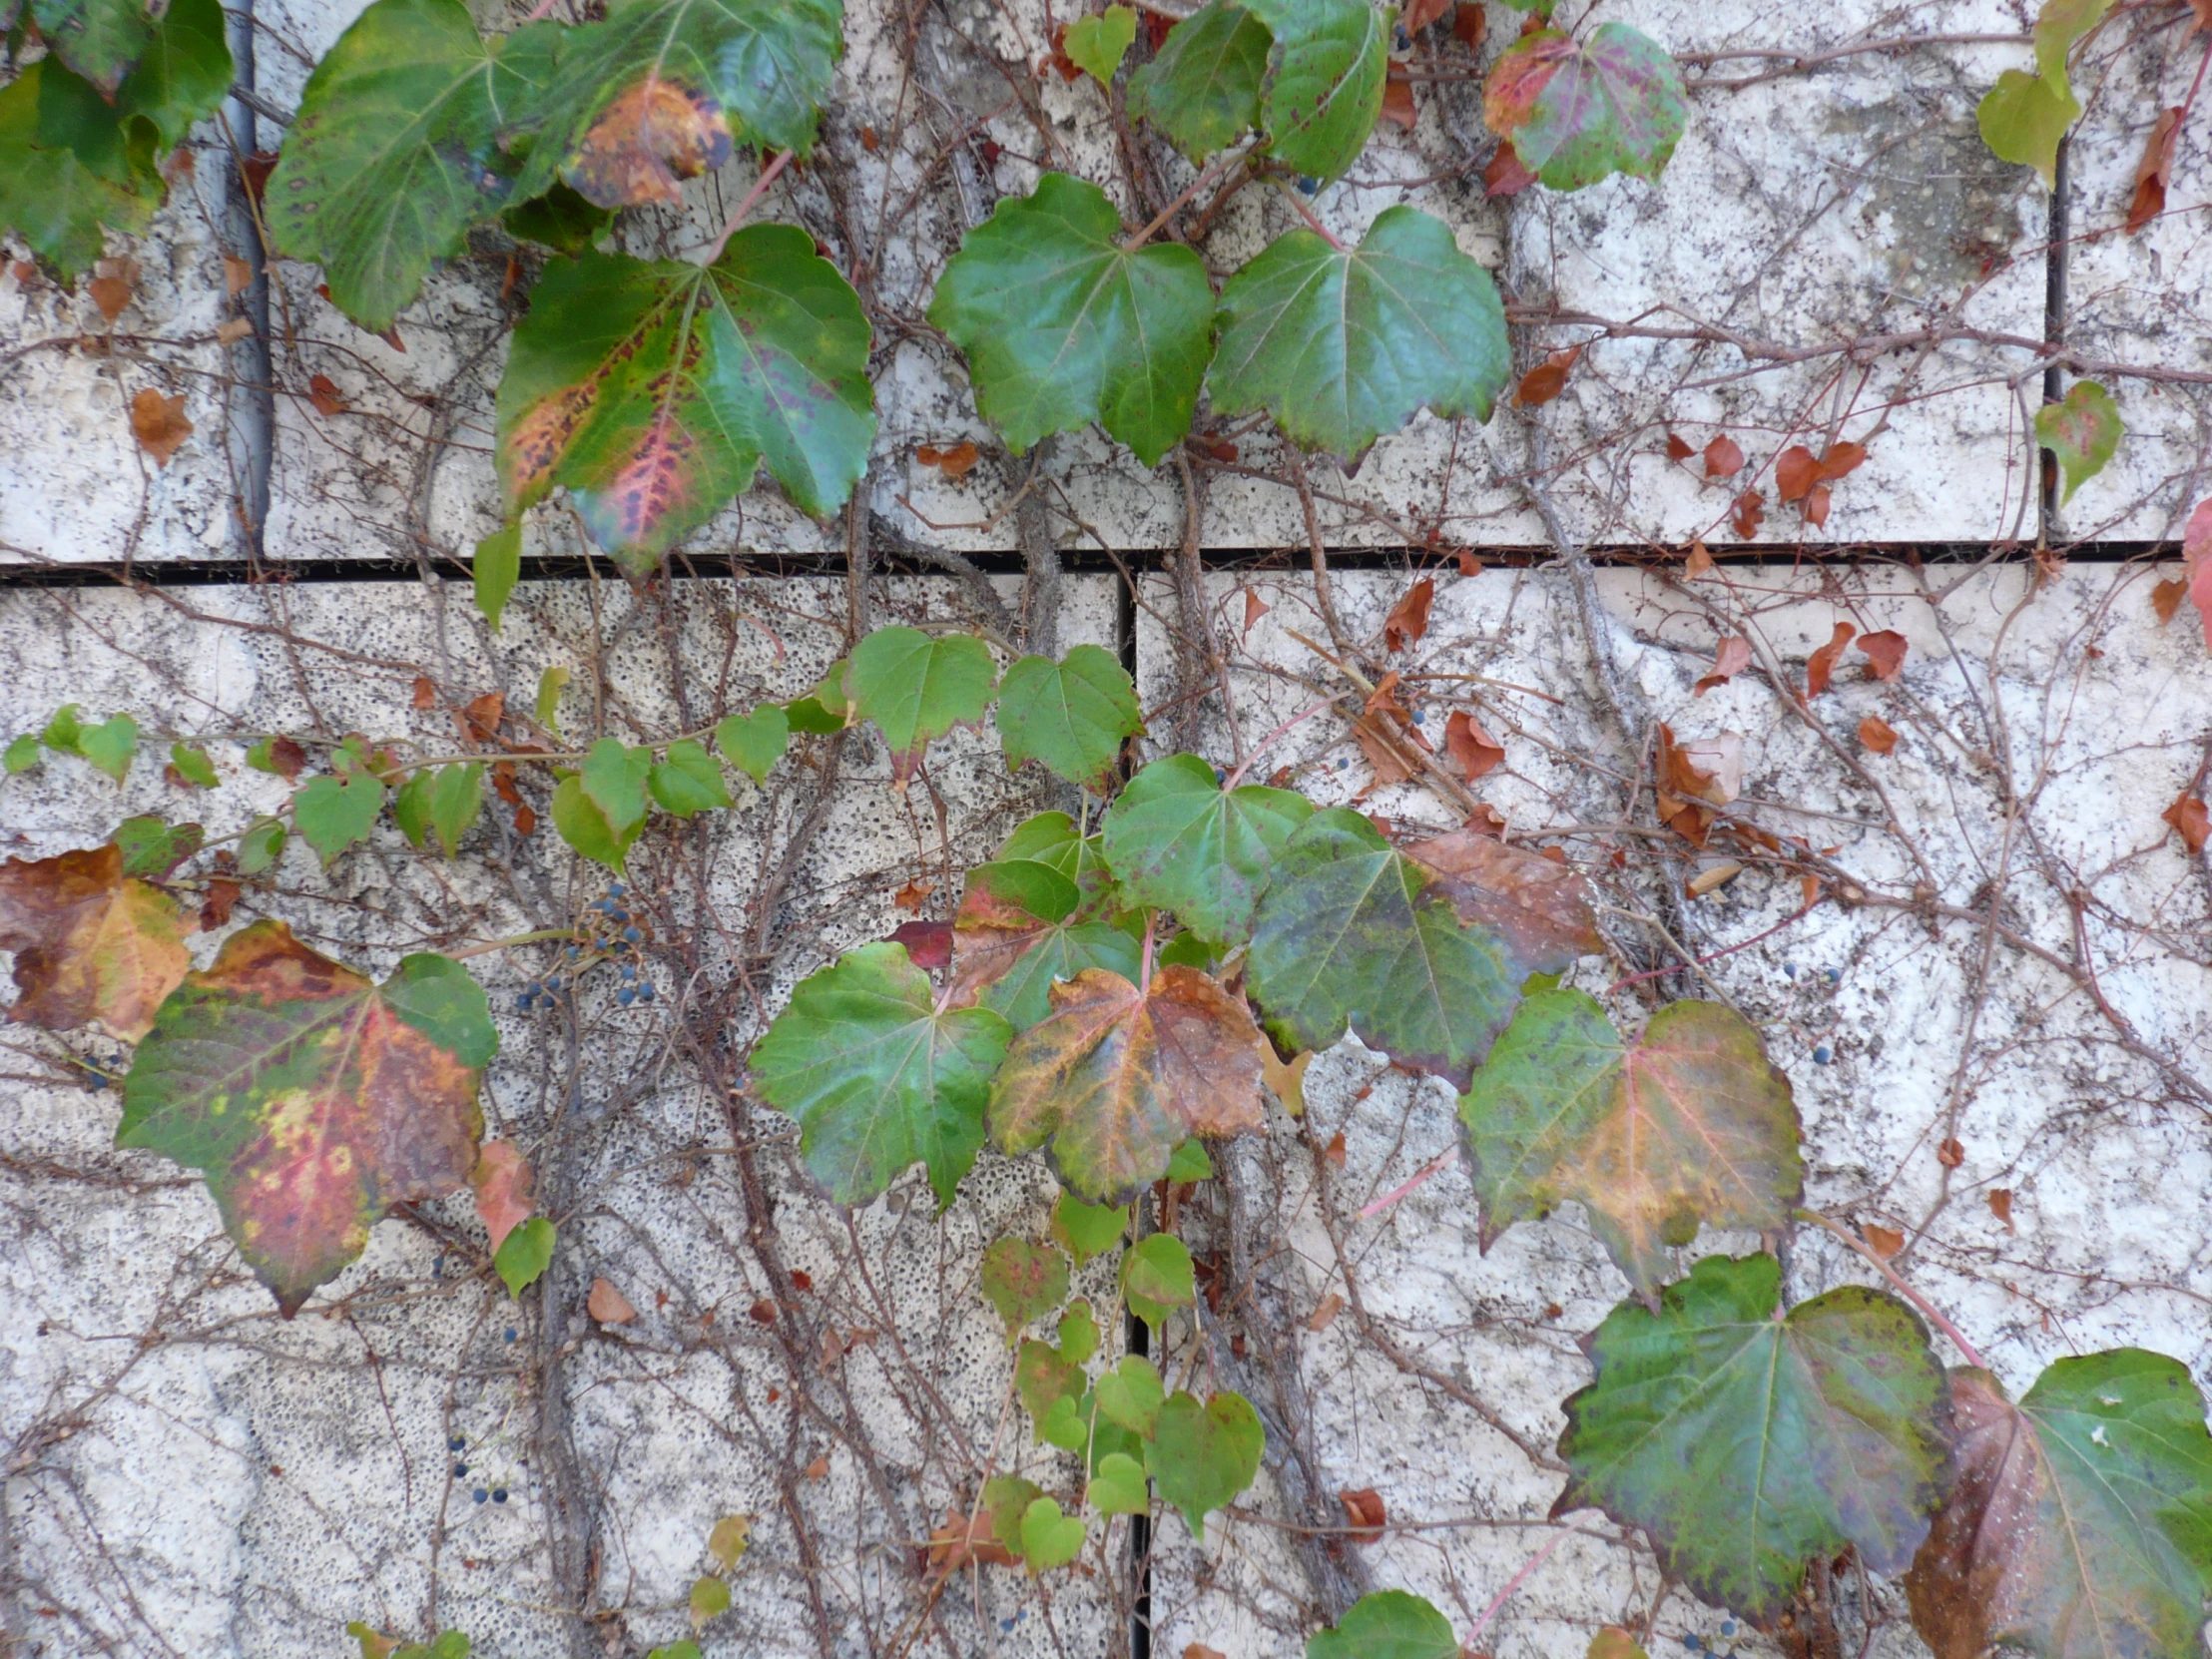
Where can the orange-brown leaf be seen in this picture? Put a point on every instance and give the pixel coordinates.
(1794, 474)
(1698, 562)
(651, 137)
(1408, 618)
(1748, 514)
(2188, 818)
(1821, 666)
(1724, 457)
(1548, 380)
(1397, 100)
(1710, 770)
(2165, 600)
(1506, 176)
(1255, 608)
(1472, 749)
(2156, 170)
(1418, 14)
(1730, 659)
(1842, 460)
(93, 946)
(322, 392)
(963, 1539)
(1470, 23)
(502, 1180)
(1679, 447)
(1885, 652)
(1816, 506)
(1540, 908)
(607, 1305)
(1875, 733)
(158, 423)
(1365, 1508)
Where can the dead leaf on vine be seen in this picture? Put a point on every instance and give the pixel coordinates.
(1875, 733)
(1255, 608)
(216, 903)
(1285, 1079)
(1698, 563)
(914, 894)
(1199, 1650)
(1821, 666)
(1418, 14)
(237, 276)
(1842, 460)
(1710, 770)
(1731, 659)
(1397, 100)
(322, 392)
(110, 294)
(480, 717)
(1748, 514)
(2165, 600)
(1724, 457)
(1506, 176)
(1408, 618)
(1679, 448)
(502, 1180)
(817, 1469)
(425, 692)
(288, 758)
(158, 423)
(1472, 749)
(1885, 1242)
(93, 946)
(607, 1305)
(2190, 819)
(1469, 565)
(1540, 906)
(1794, 474)
(1363, 1507)
(1885, 652)
(1548, 380)
(2196, 550)
(1385, 752)
(2156, 170)
(1816, 506)
(963, 1539)
(955, 461)
(1999, 1200)
(1325, 1314)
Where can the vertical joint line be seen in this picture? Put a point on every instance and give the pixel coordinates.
(2054, 331)
(252, 412)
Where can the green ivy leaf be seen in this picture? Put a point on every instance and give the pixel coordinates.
(614, 776)
(1202, 1455)
(1051, 839)
(1048, 1538)
(1352, 935)
(1690, 1126)
(877, 1077)
(22, 755)
(109, 746)
(1118, 1486)
(1387, 1624)
(579, 822)
(663, 89)
(730, 1538)
(260, 847)
(1189, 1162)
(314, 1099)
(710, 1599)
(1157, 1278)
(2084, 431)
(689, 780)
(1066, 1424)
(1344, 344)
(686, 1649)
(1007, 1498)
(653, 389)
(551, 684)
(2022, 119)
(1744, 1443)
(916, 687)
(1176, 841)
(1024, 1282)
(193, 765)
(278, 757)
(1088, 1230)
(331, 814)
(99, 38)
(753, 742)
(1577, 111)
(1201, 88)
(526, 1252)
(151, 849)
(63, 728)
(444, 800)
(1325, 85)
(1078, 1333)
(1132, 1393)
(184, 74)
(1063, 326)
(1097, 44)
(496, 570)
(1015, 935)
(2078, 1524)
(1073, 714)
(560, 218)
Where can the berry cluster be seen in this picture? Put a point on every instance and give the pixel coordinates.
(608, 934)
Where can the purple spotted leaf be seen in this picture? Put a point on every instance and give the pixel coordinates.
(1575, 111)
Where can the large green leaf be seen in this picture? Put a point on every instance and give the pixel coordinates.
(395, 152)
(1352, 935)
(314, 1099)
(1691, 1125)
(99, 38)
(180, 81)
(1201, 88)
(1387, 1624)
(1343, 344)
(876, 1076)
(2022, 119)
(1017, 933)
(1177, 840)
(1575, 111)
(1325, 81)
(1063, 326)
(1744, 1443)
(1203, 1453)
(653, 389)
(1073, 714)
(2080, 1522)
(62, 207)
(916, 687)
(662, 90)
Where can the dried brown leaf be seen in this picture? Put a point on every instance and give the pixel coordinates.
(1548, 380)
(1885, 652)
(1710, 770)
(2156, 170)
(158, 423)
(1794, 474)
(1698, 563)
(322, 392)
(1397, 100)
(1875, 733)
(93, 945)
(1885, 1242)
(1748, 513)
(1325, 1314)
(1408, 618)
(1679, 448)
(2189, 820)
(1472, 749)
(502, 1180)
(1821, 666)
(1724, 457)
(1365, 1509)
(1504, 175)
(1541, 907)
(607, 1305)
(1731, 659)
(2165, 600)
(1255, 608)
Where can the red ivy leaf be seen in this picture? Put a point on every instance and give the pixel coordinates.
(2190, 821)
(1548, 380)
(1729, 660)
(1885, 652)
(1794, 474)
(1822, 664)
(1506, 176)
(1749, 513)
(502, 1180)
(2156, 170)
(1724, 457)
(1472, 749)
(1875, 733)
(1408, 618)
(93, 945)
(1816, 506)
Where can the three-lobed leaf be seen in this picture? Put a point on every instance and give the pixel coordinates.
(916, 687)
(1387, 1624)
(1203, 1453)
(688, 780)
(93, 945)
(1744, 1443)
(1016, 933)
(1201, 88)
(312, 1098)
(1118, 1486)
(446, 800)
(1072, 716)
(1326, 72)
(1177, 840)
(1576, 111)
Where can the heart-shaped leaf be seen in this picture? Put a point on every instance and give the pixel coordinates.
(1353, 934)
(524, 1255)
(1576, 111)
(580, 821)
(753, 742)
(1114, 1077)
(1063, 326)
(1015, 935)
(1097, 43)
(1118, 1486)
(653, 390)
(2082, 431)
(1176, 841)
(1343, 344)
(314, 1099)
(1023, 1280)
(2022, 119)
(1073, 714)
(395, 152)
(331, 814)
(2080, 1522)
(1132, 1393)
(92, 945)
(876, 1076)
(151, 847)
(1048, 1538)
(1387, 1624)
(1201, 1455)
(444, 800)
(916, 687)
(1201, 88)
(1079, 1332)
(1088, 1230)
(689, 780)
(1690, 1126)
(1158, 1277)
(1744, 1443)
(1325, 80)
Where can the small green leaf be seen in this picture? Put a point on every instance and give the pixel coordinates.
(1048, 1538)
(916, 688)
(266, 756)
(614, 776)
(1201, 88)
(1189, 1162)
(1202, 1455)
(185, 74)
(99, 38)
(1387, 1624)
(1097, 44)
(1066, 1424)
(1344, 344)
(689, 780)
(1050, 838)
(151, 849)
(1325, 85)
(709, 1598)
(193, 765)
(1157, 1278)
(1073, 714)
(731, 1537)
(1176, 841)
(1007, 1498)
(1576, 111)
(333, 812)
(410, 808)
(1118, 1486)
(497, 568)
(1079, 1332)
(22, 753)
(2058, 26)
(2022, 119)
(1043, 1379)
(63, 731)
(260, 847)
(1063, 325)
(811, 715)
(1024, 1282)
(877, 1076)
(527, 1252)
(2082, 433)
(1088, 1230)
(1131, 1394)
(551, 684)
(580, 823)
(686, 1649)
(109, 746)
(753, 742)
(456, 799)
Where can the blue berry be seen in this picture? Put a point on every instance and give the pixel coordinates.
(630, 936)
(615, 889)
(1342, 761)
(1405, 40)
(1831, 976)
(524, 1001)
(455, 1443)
(570, 952)
(499, 1494)
(480, 1495)
(460, 1472)
(1789, 971)
(645, 992)
(614, 915)
(629, 970)
(510, 1334)
(1728, 1627)
(1823, 1054)
(1308, 184)
(626, 997)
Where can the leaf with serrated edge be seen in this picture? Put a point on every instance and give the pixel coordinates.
(916, 687)
(2078, 1524)
(93, 945)
(1744, 1443)
(1050, 838)
(653, 389)
(1690, 1126)
(1344, 344)
(1023, 1280)
(1015, 935)
(1178, 841)
(185, 73)
(1114, 1077)
(1072, 716)
(1201, 88)
(1352, 935)
(1387, 1624)
(877, 1077)
(1201, 1455)
(1063, 326)
(1576, 111)
(313, 1099)
(1325, 80)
